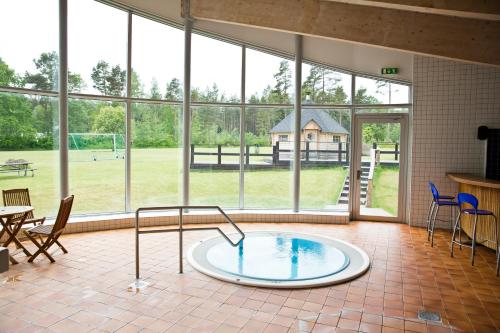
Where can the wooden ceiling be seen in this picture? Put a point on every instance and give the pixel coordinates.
(466, 30)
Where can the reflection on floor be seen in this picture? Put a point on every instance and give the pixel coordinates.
(86, 290)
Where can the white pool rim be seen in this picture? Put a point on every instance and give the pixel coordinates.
(359, 262)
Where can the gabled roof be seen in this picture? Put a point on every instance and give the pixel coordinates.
(320, 117)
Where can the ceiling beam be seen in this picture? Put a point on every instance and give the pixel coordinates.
(452, 37)
(480, 9)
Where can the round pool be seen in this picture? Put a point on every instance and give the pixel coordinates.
(279, 260)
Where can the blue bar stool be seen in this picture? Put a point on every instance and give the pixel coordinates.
(438, 201)
(469, 199)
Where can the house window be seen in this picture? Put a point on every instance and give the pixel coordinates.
(336, 139)
(283, 138)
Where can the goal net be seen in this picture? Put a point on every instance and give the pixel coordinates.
(96, 146)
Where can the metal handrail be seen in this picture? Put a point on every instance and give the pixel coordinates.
(180, 230)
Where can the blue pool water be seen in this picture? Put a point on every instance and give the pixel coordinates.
(278, 257)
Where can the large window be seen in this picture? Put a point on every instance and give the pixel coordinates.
(216, 70)
(268, 158)
(26, 58)
(269, 78)
(97, 48)
(156, 154)
(321, 85)
(215, 162)
(97, 156)
(29, 148)
(157, 60)
(371, 91)
(98, 100)
(325, 147)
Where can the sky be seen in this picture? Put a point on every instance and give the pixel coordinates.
(99, 32)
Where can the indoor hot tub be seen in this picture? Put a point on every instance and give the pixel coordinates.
(279, 260)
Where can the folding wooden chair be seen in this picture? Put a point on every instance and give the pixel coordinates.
(20, 197)
(51, 232)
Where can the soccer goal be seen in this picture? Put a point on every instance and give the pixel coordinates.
(96, 146)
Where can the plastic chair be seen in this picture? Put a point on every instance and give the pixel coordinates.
(437, 202)
(464, 200)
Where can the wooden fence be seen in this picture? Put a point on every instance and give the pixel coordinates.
(312, 154)
(396, 151)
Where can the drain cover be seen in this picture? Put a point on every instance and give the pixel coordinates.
(429, 315)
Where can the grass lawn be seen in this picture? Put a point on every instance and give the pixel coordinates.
(99, 186)
(385, 188)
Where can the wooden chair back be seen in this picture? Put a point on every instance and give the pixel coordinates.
(18, 197)
(62, 215)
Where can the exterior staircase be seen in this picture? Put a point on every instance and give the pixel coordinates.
(344, 195)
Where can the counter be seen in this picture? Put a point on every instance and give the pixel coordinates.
(487, 191)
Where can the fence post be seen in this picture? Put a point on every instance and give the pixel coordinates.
(219, 156)
(374, 145)
(247, 155)
(347, 151)
(307, 151)
(277, 152)
(339, 148)
(396, 151)
(192, 154)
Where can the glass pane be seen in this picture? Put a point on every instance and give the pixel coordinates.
(215, 147)
(324, 86)
(97, 48)
(269, 79)
(383, 110)
(29, 149)
(269, 140)
(157, 60)
(29, 38)
(370, 91)
(380, 169)
(325, 151)
(216, 70)
(156, 155)
(97, 156)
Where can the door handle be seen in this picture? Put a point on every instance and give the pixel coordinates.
(358, 175)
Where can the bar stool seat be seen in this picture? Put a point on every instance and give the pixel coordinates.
(471, 200)
(438, 201)
(476, 212)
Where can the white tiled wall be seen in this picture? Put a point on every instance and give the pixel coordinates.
(451, 99)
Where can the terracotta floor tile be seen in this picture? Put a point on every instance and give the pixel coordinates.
(370, 328)
(86, 290)
(348, 323)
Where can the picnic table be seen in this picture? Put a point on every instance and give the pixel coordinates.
(19, 166)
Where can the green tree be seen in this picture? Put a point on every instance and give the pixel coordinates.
(283, 83)
(110, 119)
(75, 82)
(8, 76)
(154, 92)
(108, 80)
(174, 90)
(137, 88)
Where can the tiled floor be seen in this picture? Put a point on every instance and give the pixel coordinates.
(87, 289)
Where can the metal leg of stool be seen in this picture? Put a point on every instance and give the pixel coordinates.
(433, 225)
(474, 240)
(459, 230)
(429, 215)
(457, 222)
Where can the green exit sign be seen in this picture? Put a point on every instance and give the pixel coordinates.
(390, 70)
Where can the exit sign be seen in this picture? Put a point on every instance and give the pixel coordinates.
(390, 70)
